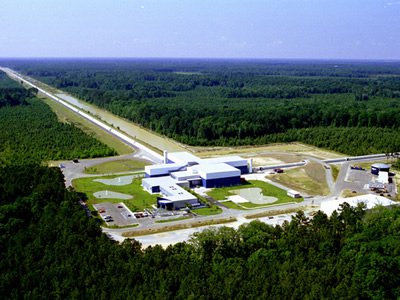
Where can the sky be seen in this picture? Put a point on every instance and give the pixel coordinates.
(297, 29)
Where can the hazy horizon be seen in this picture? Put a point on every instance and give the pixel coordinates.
(176, 29)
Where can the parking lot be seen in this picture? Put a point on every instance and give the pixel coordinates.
(115, 214)
(358, 180)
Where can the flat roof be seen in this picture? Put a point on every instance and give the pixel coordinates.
(183, 157)
(381, 166)
(376, 185)
(216, 168)
(158, 181)
(169, 187)
(163, 169)
(293, 192)
(163, 166)
(215, 171)
(224, 159)
(185, 175)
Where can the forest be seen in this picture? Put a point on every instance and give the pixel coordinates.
(30, 131)
(238, 102)
(11, 94)
(50, 249)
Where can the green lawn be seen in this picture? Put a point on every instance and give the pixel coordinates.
(141, 199)
(309, 179)
(267, 190)
(230, 204)
(222, 193)
(123, 165)
(208, 211)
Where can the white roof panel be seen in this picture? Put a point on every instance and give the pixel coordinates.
(231, 160)
(381, 166)
(162, 169)
(158, 181)
(183, 158)
(215, 171)
(169, 188)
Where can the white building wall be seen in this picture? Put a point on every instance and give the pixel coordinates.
(162, 169)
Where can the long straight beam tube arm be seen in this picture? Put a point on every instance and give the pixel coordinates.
(87, 116)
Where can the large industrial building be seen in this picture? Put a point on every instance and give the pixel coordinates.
(183, 169)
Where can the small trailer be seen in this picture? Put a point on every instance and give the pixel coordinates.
(293, 194)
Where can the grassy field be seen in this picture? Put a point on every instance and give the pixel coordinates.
(178, 227)
(267, 190)
(67, 116)
(208, 211)
(141, 199)
(123, 165)
(274, 212)
(294, 148)
(172, 220)
(309, 179)
(230, 204)
(335, 171)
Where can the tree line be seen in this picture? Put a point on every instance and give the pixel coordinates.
(238, 102)
(30, 131)
(11, 93)
(49, 248)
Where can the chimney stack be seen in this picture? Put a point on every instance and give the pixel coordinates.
(165, 157)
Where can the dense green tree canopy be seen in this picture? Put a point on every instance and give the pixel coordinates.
(240, 102)
(49, 248)
(30, 131)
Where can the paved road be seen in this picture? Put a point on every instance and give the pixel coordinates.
(234, 213)
(73, 170)
(308, 203)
